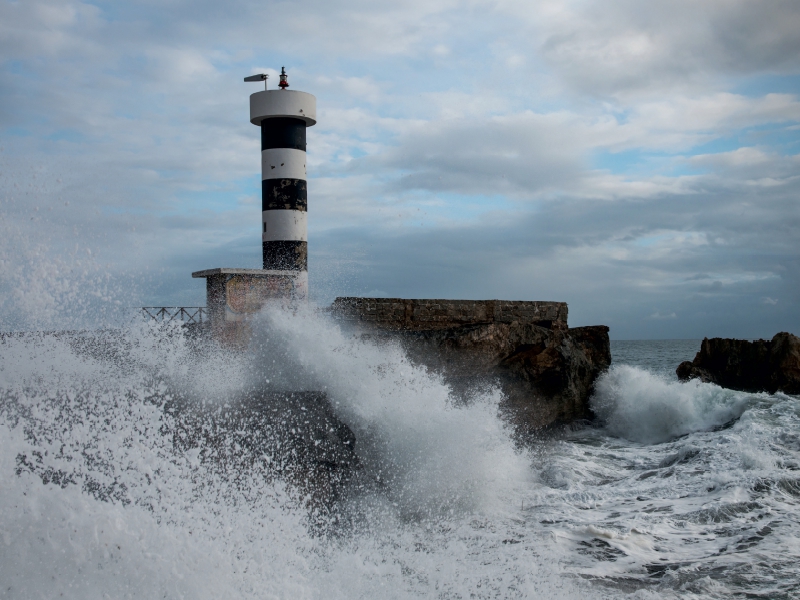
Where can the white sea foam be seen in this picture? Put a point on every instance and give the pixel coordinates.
(643, 407)
(455, 509)
(125, 513)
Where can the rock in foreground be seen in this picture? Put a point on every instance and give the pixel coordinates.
(758, 366)
(545, 369)
(294, 435)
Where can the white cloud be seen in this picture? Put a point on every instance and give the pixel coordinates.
(455, 154)
(623, 47)
(660, 316)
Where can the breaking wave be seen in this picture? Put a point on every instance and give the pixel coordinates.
(640, 406)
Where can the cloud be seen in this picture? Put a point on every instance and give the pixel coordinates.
(623, 47)
(756, 166)
(616, 155)
(659, 316)
(525, 153)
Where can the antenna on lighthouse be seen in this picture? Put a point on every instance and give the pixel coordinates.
(260, 77)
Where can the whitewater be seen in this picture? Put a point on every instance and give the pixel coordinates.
(681, 490)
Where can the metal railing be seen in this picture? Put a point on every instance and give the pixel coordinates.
(185, 314)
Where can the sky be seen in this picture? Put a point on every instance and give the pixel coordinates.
(638, 160)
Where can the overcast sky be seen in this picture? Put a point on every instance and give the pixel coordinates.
(638, 160)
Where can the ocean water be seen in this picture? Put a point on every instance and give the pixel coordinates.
(680, 490)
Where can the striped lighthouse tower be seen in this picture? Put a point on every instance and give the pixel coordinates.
(283, 116)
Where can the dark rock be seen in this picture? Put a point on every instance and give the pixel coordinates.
(545, 370)
(757, 366)
(295, 436)
(546, 375)
(688, 370)
(550, 381)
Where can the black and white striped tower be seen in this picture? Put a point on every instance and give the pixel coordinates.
(283, 116)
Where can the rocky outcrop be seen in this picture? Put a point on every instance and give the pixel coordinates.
(545, 369)
(757, 366)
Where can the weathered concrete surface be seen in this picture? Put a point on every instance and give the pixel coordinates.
(758, 366)
(424, 315)
(545, 370)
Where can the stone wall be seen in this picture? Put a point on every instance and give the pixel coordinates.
(426, 315)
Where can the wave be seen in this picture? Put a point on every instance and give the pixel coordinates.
(640, 406)
(430, 452)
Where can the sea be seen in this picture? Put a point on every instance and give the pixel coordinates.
(676, 490)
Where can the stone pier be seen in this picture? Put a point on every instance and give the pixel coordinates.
(422, 315)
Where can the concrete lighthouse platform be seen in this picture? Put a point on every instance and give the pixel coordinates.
(233, 295)
(545, 369)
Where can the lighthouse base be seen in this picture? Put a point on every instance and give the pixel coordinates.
(233, 295)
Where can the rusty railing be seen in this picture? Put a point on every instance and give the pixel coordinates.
(185, 314)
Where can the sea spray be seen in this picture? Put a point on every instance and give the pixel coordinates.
(89, 462)
(99, 500)
(643, 407)
(96, 499)
(432, 454)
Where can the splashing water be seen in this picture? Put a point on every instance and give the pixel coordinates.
(644, 408)
(435, 456)
(678, 490)
(98, 499)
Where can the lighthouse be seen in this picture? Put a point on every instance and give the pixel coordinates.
(283, 115)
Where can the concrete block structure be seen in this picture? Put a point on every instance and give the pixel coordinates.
(401, 314)
(545, 369)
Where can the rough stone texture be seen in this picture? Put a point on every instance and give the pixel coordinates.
(424, 315)
(545, 370)
(758, 366)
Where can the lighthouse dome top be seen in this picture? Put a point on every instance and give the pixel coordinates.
(283, 103)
